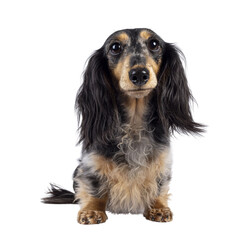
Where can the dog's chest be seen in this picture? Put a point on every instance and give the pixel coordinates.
(132, 190)
(133, 182)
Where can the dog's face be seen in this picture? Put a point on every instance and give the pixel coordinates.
(134, 57)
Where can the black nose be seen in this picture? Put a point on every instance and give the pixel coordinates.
(139, 76)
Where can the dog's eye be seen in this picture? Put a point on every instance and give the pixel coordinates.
(116, 48)
(153, 45)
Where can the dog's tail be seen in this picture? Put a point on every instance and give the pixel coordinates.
(59, 195)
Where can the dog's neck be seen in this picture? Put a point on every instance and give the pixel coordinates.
(134, 142)
(136, 109)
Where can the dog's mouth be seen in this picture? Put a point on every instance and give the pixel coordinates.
(139, 90)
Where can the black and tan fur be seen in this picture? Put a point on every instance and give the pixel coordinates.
(134, 95)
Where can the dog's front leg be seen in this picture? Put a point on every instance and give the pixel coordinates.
(92, 210)
(159, 211)
(91, 189)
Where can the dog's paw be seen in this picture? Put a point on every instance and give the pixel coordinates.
(91, 217)
(159, 214)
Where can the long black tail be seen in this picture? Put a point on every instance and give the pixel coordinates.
(59, 195)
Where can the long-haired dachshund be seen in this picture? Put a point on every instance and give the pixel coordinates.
(133, 97)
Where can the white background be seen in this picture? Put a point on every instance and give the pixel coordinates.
(43, 49)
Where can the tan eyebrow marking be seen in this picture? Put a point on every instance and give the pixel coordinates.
(145, 34)
(123, 37)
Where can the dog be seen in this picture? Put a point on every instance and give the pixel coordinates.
(134, 96)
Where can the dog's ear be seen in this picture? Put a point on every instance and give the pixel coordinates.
(173, 93)
(95, 102)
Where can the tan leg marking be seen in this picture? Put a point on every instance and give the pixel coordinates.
(159, 212)
(93, 211)
(91, 217)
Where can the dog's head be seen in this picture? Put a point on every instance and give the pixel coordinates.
(134, 63)
(134, 58)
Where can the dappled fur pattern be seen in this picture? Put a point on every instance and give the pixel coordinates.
(133, 97)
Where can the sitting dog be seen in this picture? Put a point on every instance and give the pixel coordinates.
(133, 97)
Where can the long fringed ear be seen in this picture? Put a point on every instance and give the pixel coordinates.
(95, 102)
(174, 95)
